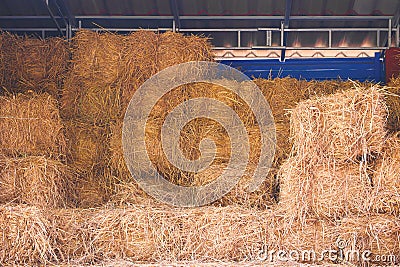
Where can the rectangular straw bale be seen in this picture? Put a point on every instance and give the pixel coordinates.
(145, 234)
(386, 179)
(33, 64)
(25, 236)
(36, 181)
(87, 146)
(376, 233)
(324, 190)
(92, 90)
(31, 125)
(345, 126)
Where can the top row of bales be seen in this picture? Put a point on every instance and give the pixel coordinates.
(30, 64)
(107, 69)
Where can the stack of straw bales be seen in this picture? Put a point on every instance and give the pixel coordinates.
(32, 149)
(32, 64)
(190, 138)
(106, 71)
(327, 175)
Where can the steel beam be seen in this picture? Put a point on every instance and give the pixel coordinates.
(212, 17)
(46, 3)
(175, 11)
(67, 10)
(284, 34)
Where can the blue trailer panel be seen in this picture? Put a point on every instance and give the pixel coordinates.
(362, 69)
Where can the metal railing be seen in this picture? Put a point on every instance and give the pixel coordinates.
(269, 32)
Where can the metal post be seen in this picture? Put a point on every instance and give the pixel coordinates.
(398, 36)
(268, 38)
(390, 33)
(330, 38)
(238, 38)
(69, 30)
(173, 26)
(282, 33)
(175, 12)
(378, 38)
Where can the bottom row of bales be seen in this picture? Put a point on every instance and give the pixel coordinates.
(154, 233)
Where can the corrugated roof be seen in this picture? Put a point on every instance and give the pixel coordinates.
(206, 7)
(85, 10)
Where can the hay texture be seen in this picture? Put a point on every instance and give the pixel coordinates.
(33, 64)
(31, 125)
(140, 62)
(87, 146)
(386, 179)
(25, 236)
(154, 234)
(190, 138)
(92, 89)
(146, 234)
(322, 191)
(380, 234)
(36, 181)
(393, 102)
(96, 188)
(107, 69)
(175, 48)
(345, 126)
(327, 175)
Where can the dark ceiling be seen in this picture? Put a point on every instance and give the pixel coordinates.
(204, 16)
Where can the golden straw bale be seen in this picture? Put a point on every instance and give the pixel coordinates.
(92, 90)
(328, 87)
(345, 126)
(24, 234)
(386, 179)
(36, 181)
(378, 234)
(191, 135)
(306, 241)
(71, 235)
(96, 188)
(146, 233)
(31, 125)
(33, 64)
(139, 62)
(393, 102)
(175, 48)
(322, 190)
(87, 145)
